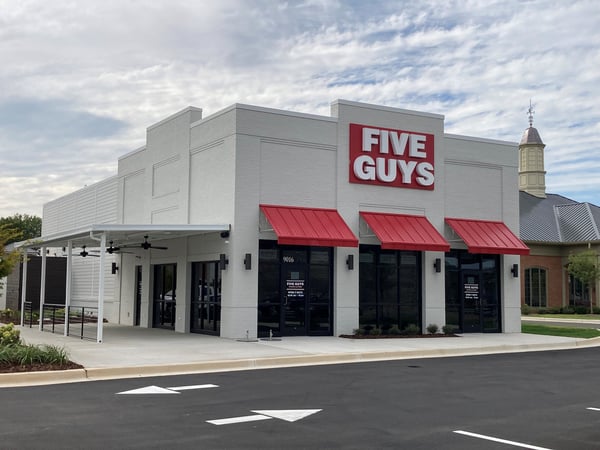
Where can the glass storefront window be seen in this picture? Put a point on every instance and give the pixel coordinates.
(389, 288)
(295, 290)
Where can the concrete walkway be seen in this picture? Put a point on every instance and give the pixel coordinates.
(135, 352)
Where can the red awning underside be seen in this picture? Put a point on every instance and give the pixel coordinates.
(482, 236)
(405, 232)
(309, 226)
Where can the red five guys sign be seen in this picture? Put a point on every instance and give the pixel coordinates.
(387, 157)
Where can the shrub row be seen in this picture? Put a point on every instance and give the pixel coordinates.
(526, 310)
(409, 330)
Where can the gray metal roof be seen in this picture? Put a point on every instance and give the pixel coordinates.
(557, 219)
(531, 136)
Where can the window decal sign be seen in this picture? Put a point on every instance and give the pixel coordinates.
(294, 288)
(387, 157)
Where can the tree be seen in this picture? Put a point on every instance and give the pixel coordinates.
(584, 267)
(21, 227)
(7, 259)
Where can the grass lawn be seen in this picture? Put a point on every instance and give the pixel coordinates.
(585, 333)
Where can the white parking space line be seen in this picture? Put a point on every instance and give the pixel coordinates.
(594, 409)
(197, 386)
(252, 418)
(502, 441)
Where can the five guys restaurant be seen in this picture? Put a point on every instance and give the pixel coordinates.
(255, 221)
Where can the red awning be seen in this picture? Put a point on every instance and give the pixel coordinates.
(309, 226)
(483, 236)
(405, 232)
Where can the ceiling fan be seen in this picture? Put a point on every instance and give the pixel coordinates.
(85, 253)
(110, 250)
(145, 245)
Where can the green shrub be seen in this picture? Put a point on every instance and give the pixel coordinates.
(567, 310)
(25, 355)
(376, 331)
(525, 310)
(581, 309)
(596, 310)
(9, 315)
(394, 330)
(411, 330)
(432, 328)
(449, 329)
(357, 332)
(9, 335)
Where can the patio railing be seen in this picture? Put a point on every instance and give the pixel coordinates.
(80, 321)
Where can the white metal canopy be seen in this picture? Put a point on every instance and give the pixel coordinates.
(97, 236)
(120, 234)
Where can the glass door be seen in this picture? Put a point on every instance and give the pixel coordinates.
(138, 296)
(165, 276)
(294, 300)
(471, 297)
(206, 298)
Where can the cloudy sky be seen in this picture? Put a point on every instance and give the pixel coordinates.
(81, 80)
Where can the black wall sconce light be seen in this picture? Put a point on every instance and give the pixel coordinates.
(350, 262)
(437, 265)
(223, 261)
(114, 268)
(248, 261)
(515, 270)
(224, 234)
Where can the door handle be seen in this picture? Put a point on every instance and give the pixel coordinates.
(285, 300)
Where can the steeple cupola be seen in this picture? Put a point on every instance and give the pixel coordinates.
(532, 176)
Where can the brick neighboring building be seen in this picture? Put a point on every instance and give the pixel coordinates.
(553, 227)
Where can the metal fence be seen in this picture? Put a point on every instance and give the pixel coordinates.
(80, 321)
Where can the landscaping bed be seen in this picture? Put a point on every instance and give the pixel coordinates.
(395, 336)
(17, 356)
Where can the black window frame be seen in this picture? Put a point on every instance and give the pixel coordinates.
(380, 300)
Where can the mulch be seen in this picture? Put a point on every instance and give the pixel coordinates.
(38, 367)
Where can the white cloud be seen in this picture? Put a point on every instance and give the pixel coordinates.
(112, 68)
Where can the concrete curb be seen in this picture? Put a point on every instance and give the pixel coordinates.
(42, 377)
(106, 373)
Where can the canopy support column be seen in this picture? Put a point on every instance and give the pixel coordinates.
(42, 288)
(68, 286)
(24, 286)
(102, 276)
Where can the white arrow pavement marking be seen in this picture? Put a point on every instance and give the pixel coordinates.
(171, 390)
(189, 388)
(149, 390)
(289, 415)
(594, 409)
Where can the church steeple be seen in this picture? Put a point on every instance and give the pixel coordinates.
(532, 176)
